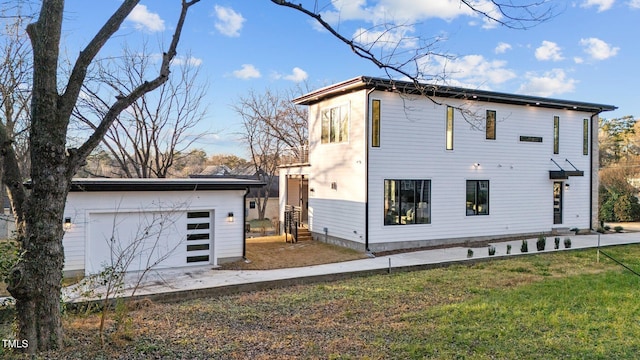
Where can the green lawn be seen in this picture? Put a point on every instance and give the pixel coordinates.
(544, 306)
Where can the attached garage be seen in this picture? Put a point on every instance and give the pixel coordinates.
(135, 224)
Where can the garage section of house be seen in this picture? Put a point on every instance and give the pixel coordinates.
(136, 224)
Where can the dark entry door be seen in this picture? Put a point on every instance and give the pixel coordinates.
(557, 202)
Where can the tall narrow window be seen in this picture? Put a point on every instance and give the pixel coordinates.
(556, 134)
(585, 137)
(449, 130)
(375, 123)
(491, 125)
(477, 197)
(407, 202)
(335, 125)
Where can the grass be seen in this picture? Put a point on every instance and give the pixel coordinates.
(272, 252)
(544, 306)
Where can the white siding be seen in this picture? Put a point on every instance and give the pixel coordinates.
(341, 209)
(521, 201)
(227, 236)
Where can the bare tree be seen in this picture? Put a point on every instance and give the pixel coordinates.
(15, 89)
(408, 56)
(273, 127)
(35, 282)
(156, 130)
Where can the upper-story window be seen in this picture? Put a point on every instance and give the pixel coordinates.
(490, 125)
(335, 124)
(556, 134)
(585, 137)
(449, 128)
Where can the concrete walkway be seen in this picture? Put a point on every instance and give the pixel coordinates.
(203, 281)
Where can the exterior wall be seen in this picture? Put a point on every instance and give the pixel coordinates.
(338, 212)
(227, 237)
(520, 191)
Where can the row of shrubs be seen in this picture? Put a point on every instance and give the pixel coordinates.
(541, 243)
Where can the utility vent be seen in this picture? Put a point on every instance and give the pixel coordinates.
(334, 185)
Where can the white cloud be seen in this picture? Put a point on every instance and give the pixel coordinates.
(634, 4)
(406, 11)
(297, 75)
(502, 48)
(548, 84)
(472, 71)
(391, 39)
(549, 51)
(247, 71)
(191, 61)
(602, 5)
(578, 60)
(145, 20)
(229, 22)
(598, 49)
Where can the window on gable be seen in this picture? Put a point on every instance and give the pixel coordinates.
(477, 197)
(449, 128)
(407, 202)
(335, 125)
(490, 125)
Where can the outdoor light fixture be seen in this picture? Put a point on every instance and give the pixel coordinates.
(566, 186)
(67, 223)
(477, 165)
(230, 217)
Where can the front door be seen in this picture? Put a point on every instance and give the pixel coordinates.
(557, 202)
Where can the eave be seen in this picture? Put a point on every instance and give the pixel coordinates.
(450, 92)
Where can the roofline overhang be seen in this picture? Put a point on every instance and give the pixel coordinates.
(95, 185)
(442, 91)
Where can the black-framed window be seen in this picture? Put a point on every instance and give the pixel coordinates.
(477, 197)
(556, 134)
(375, 123)
(490, 125)
(407, 202)
(585, 137)
(449, 129)
(335, 124)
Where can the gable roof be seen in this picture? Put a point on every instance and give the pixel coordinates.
(442, 91)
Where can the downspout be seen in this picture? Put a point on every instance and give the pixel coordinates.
(594, 134)
(366, 175)
(244, 224)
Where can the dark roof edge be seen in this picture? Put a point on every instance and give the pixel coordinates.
(91, 185)
(365, 82)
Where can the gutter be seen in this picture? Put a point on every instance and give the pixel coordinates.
(244, 224)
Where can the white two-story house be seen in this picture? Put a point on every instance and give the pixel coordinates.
(396, 165)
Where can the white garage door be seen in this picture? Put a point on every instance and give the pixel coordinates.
(134, 241)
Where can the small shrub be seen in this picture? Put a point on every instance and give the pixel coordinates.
(567, 243)
(469, 253)
(556, 240)
(618, 229)
(541, 243)
(492, 250)
(575, 230)
(600, 230)
(607, 227)
(508, 249)
(524, 247)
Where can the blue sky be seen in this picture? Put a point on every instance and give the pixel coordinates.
(586, 52)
